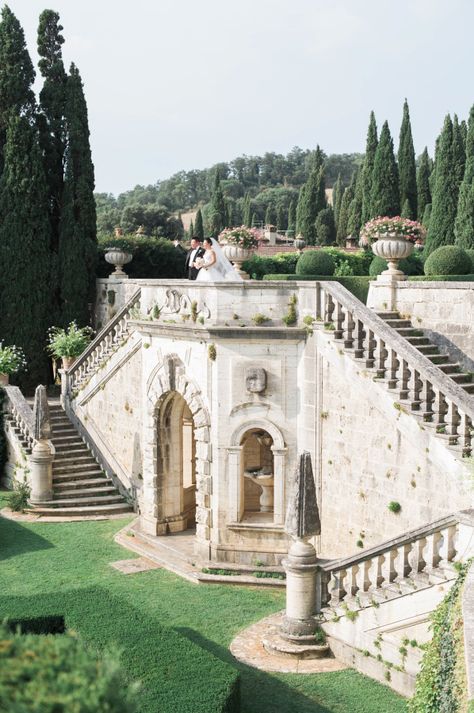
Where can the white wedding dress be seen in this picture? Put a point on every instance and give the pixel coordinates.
(221, 271)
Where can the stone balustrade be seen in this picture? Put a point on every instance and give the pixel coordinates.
(419, 554)
(106, 342)
(422, 387)
(20, 416)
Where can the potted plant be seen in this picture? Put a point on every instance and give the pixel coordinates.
(12, 360)
(119, 252)
(238, 245)
(67, 344)
(392, 239)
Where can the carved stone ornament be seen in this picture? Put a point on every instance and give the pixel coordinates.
(255, 380)
(41, 415)
(302, 516)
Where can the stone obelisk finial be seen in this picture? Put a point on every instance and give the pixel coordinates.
(302, 516)
(41, 457)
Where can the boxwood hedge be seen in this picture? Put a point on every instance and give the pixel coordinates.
(176, 674)
(359, 286)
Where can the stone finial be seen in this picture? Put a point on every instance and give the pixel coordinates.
(302, 516)
(41, 415)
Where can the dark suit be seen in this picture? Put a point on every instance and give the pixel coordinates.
(192, 272)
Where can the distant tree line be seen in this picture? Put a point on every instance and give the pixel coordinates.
(47, 208)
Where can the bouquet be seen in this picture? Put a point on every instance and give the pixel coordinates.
(199, 262)
(384, 227)
(242, 237)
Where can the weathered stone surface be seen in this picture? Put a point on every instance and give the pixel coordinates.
(41, 415)
(302, 517)
(256, 380)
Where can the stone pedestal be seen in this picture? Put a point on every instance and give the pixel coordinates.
(299, 624)
(41, 460)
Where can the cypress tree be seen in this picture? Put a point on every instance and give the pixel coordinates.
(16, 75)
(218, 209)
(464, 225)
(191, 229)
(312, 200)
(270, 217)
(344, 213)
(280, 218)
(459, 151)
(247, 211)
(337, 192)
(325, 228)
(51, 117)
(385, 192)
(199, 227)
(25, 248)
(292, 217)
(445, 193)
(427, 216)
(77, 236)
(354, 222)
(254, 220)
(423, 184)
(407, 167)
(368, 168)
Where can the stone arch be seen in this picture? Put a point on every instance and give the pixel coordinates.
(167, 378)
(235, 467)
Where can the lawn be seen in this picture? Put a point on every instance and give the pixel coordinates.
(36, 559)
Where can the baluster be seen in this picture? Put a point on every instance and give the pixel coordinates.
(452, 422)
(375, 572)
(414, 387)
(359, 340)
(439, 410)
(427, 396)
(362, 576)
(351, 580)
(380, 357)
(336, 586)
(392, 369)
(401, 563)
(328, 308)
(403, 375)
(348, 331)
(369, 348)
(432, 556)
(325, 579)
(464, 430)
(389, 572)
(447, 549)
(338, 332)
(415, 557)
(319, 315)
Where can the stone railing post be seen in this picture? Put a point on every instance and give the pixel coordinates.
(41, 457)
(64, 387)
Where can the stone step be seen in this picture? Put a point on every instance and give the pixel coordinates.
(72, 444)
(77, 475)
(461, 378)
(72, 468)
(398, 322)
(468, 387)
(427, 349)
(438, 358)
(82, 510)
(451, 368)
(418, 341)
(64, 430)
(107, 490)
(85, 483)
(72, 453)
(409, 332)
(80, 502)
(388, 315)
(73, 463)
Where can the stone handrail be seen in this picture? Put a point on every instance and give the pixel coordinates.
(426, 550)
(416, 380)
(17, 408)
(106, 341)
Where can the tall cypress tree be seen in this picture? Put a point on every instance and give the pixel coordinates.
(270, 215)
(25, 248)
(218, 209)
(292, 218)
(77, 236)
(199, 227)
(312, 200)
(385, 191)
(280, 218)
(407, 167)
(16, 75)
(445, 192)
(459, 150)
(464, 225)
(337, 192)
(354, 222)
(247, 211)
(344, 213)
(51, 117)
(423, 184)
(368, 168)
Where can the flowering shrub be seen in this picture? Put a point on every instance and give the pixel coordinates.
(12, 359)
(243, 237)
(69, 342)
(397, 227)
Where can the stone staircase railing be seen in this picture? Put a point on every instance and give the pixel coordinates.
(106, 341)
(427, 553)
(415, 380)
(20, 416)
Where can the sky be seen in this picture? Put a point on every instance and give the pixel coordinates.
(180, 84)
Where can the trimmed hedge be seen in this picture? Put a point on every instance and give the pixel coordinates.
(259, 265)
(412, 265)
(470, 253)
(153, 258)
(352, 263)
(315, 262)
(358, 285)
(448, 260)
(176, 675)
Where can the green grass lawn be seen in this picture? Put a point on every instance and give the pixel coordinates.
(40, 558)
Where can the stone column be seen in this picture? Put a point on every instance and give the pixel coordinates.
(64, 387)
(41, 458)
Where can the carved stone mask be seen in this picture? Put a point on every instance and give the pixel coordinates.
(256, 380)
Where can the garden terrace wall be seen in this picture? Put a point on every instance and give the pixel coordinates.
(358, 285)
(177, 675)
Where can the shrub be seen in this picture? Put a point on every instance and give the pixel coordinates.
(343, 269)
(411, 265)
(394, 507)
(470, 253)
(359, 261)
(51, 673)
(448, 260)
(18, 499)
(152, 258)
(69, 342)
(315, 262)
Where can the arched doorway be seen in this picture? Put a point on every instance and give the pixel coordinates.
(259, 476)
(175, 461)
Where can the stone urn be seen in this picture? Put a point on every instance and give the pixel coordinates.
(392, 248)
(118, 258)
(68, 361)
(4, 379)
(300, 243)
(237, 255)
(265, 481)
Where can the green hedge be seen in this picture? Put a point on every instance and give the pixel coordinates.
(412, 265)
(353, 263)
(176, 675)
(359, 286)
(153, 258)
(315, 262)
(448, 260)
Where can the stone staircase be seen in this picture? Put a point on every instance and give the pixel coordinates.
(80, 487)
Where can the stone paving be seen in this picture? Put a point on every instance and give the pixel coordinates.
(133, 566)
(247, 647)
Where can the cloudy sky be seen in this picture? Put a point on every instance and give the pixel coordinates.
(182, 84)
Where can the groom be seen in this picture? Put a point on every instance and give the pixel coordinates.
(196, 251)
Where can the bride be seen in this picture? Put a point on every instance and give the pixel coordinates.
(214, 266)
